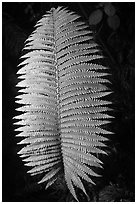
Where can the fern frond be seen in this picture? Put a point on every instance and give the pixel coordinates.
(61, 93)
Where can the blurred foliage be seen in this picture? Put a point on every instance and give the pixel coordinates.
(114, 28)
(109, 9)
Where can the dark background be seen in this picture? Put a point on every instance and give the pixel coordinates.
(117, 183)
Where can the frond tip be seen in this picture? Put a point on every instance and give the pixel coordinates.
(61, 93)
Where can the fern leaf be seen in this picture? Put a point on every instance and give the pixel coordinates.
(50, 175)
(76, 180)
(62, 90)
(79, 59)
(76, 48)
(77, 26)
(38, 139)
(50, 182)
(82, 158)
(71, 35)
(85, 136)
(81, 173)
(41, 168)
(76, 41)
